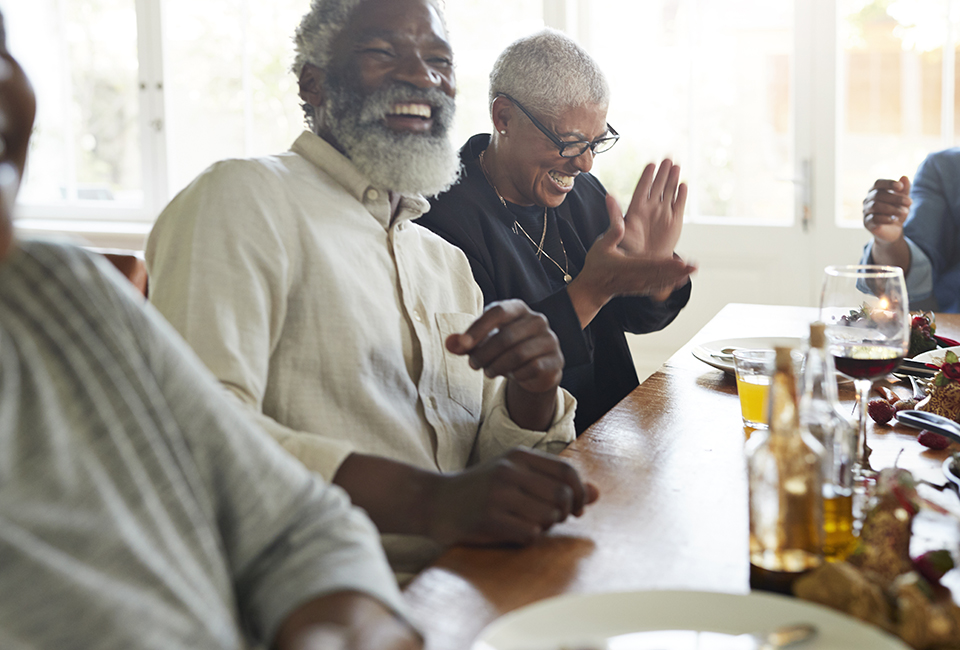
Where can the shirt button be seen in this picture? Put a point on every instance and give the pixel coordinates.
(417, 317)
(433, 402)
(372, 194)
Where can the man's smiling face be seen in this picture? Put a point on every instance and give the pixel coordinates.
(391, 42)
(387, 97)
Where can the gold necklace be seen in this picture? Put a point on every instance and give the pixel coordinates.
(516, 224)
(563, 269)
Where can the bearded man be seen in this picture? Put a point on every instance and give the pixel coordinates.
(357, 338)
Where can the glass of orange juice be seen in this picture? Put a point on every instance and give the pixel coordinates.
(754, 370)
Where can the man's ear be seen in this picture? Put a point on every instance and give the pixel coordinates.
(311, 84)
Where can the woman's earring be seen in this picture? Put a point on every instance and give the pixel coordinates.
(503, 132)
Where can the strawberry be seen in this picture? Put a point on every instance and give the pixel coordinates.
(880, 410)
(932, 565)
(933, 440)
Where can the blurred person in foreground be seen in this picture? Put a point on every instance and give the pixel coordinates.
(536, 225)
(917, 227)
(138, 507)
(357, 338)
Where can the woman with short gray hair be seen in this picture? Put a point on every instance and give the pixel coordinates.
(536, 225)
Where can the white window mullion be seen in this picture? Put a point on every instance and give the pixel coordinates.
(825, 109)
(693, 165)
(805, 96)
(948, 71)
(152, 123)
(562, 15)
(246, 74)
(66, 94)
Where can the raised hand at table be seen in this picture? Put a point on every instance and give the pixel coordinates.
(512, 341)
(884, 211)
(654, 217)
(512, 499)
(609, 271)
(886, 208)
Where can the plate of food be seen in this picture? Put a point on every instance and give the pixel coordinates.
(936, 357)
(719, 353)
(674, 620)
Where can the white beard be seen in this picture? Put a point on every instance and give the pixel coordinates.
(407, 163)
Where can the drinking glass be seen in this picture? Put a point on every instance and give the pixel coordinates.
(754, 372)
(867, 321)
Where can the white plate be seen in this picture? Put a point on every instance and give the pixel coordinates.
(596, 620)
(936, 356)
(704, 350)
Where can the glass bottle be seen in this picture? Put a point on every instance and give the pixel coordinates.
(784, 469)
(822, 415)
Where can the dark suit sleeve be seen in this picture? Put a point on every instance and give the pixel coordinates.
(932, 224)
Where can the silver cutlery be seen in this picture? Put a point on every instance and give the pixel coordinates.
(932, 421)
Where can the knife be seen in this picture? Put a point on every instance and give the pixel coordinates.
(913, 368)
(932, 421)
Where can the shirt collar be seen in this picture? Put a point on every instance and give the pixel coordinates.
(341, 169)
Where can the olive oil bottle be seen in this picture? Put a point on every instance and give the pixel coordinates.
(821, 413)
(784, 470)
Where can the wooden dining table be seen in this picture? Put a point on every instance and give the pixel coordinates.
(672, 514)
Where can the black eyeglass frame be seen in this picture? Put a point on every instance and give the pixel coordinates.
(563, 146)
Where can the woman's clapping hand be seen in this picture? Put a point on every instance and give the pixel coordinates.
(655, 215)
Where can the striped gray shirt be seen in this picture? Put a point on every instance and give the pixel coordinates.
(138, 509)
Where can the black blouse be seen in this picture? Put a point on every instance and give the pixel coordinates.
(599, 370)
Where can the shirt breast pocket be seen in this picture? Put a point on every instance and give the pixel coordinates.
(464, 384)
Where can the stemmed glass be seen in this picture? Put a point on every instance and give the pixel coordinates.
(867, 321)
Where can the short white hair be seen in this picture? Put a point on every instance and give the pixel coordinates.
(319, 28)
(548, 73)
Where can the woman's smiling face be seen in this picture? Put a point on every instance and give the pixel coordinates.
(537, 174)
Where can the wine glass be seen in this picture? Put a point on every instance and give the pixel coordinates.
(867, 322)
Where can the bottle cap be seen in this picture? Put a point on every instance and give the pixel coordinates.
(818, 338)
(784, 360)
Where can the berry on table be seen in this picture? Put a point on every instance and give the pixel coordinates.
(933, 440)
(880, 410)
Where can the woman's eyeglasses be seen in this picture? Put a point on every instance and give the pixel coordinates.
(571, 149)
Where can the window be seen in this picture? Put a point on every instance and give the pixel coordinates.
(136, 97)
(129, 113)
(86, 148)
(899, 88)
(709, 83)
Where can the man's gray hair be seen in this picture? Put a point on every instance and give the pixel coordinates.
(315, 35)
(548, 73)
(319, 28)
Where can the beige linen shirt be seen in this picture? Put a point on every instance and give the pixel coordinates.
(327, 319)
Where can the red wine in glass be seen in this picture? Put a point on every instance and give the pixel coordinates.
(867, 368)
(867, 314)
